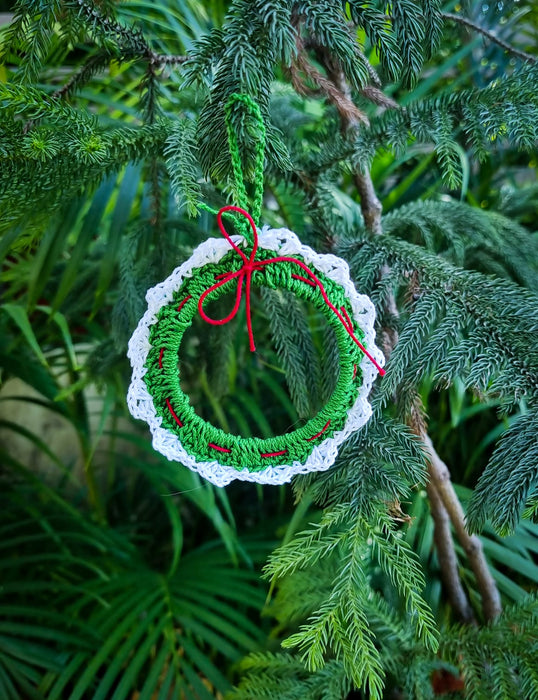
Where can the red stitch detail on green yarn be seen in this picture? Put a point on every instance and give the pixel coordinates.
(304, 279)
(173, 413)
(246, 452)
(274, 454)
(345, 314)
(327, 424)
(161, 358)
(219, 448)
(184, 302)
(354, 371)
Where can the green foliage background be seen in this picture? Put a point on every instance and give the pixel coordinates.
(126, 576)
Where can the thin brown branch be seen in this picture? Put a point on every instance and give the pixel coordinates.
(373, 93)
(310, 42)
(160, 59)
(490, 36)
(348, 111)
(100, 60)
(440, 477)
(93, 65)
(378, 97)
(371, 207)
(446, 554)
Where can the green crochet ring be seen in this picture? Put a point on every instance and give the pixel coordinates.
(203, 440)
(156, 395)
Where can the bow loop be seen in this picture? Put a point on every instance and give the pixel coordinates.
(244, 275)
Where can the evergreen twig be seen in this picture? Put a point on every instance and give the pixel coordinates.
(490, 36)
(346, 107)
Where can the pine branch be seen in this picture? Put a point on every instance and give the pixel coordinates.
(510, 477)
(181, 162)
(504, 111)
(32, 177)
(490, 36)
(34, 26)
(94, 64)
(129, 42)
(326, 26)
(497, 660)
(467, 325)
(377, 26)
(341, 99)
(445, 503)
(403, 38)
(283, 677)
(487, 338)
(340, 624)
(446, 506)
(101, 59)
(407, 20)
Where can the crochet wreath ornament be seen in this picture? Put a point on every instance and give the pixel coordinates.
(277, 259)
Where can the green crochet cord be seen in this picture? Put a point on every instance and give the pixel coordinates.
(203, 440)
(241, 196)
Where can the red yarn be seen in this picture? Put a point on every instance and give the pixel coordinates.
(349, 323)
(246, 270)
(304, 279)
(173, 413)
(184, 302)
(327, 424)
(218, 447)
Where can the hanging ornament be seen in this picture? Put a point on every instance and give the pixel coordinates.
(277, 259)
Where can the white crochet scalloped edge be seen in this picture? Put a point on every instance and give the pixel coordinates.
(140, 402)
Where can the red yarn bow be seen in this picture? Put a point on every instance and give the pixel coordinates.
(245, 272)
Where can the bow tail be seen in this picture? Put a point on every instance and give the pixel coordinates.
(249, 318)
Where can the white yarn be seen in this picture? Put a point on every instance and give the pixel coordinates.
(140, 403)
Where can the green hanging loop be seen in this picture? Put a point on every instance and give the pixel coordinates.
(241, 192)
(254, 110)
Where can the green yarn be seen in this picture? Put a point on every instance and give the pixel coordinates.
(197, 435)
(242, 199)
